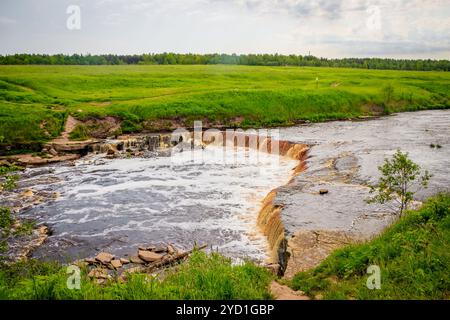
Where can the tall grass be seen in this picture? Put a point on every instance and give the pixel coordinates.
(203, 276)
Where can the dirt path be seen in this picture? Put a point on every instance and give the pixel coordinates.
(70, 125)
(282, 292)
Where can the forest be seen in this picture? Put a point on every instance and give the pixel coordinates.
(229, 59)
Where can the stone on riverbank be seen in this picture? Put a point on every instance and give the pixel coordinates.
(149, 256)
(116, 264)
(104, 257)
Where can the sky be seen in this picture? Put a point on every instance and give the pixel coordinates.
(324, 28)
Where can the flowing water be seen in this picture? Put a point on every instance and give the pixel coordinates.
(119, 204)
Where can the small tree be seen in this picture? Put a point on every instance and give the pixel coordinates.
(399, 176)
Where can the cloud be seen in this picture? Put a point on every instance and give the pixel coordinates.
(326, 27)
(7, 21)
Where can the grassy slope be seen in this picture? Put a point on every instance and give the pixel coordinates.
(413, 255)
(34, 100)
(202, 277)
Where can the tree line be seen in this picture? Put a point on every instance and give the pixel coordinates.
(233, 59)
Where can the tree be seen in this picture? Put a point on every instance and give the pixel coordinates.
(399, 177)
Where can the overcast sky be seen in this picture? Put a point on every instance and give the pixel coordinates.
(327, 28)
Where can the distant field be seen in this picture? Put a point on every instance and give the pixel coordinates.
(35, 100)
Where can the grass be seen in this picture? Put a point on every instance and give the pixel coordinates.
(8, 181)
(35, 100)
(203, 276)
(6, 220)
(413, 256)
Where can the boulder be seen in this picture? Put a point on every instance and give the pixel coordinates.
(116, 264)
(149, 256)
(124, 261)
(90, 260)
(137, 260)
(323, 191)
(104, 257)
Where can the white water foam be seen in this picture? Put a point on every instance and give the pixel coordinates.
(163, 199)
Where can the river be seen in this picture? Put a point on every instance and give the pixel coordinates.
(119, 204)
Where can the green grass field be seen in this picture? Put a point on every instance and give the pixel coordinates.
(35, 100)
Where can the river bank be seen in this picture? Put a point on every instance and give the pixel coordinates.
(301, 224)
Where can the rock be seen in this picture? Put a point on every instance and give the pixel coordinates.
(111, 151)
(98, 273)
(122, 278)
(52, 151)
(39, 236)
(318, 297)
(104, 257)
(124, 261)
(116, 264)
(136, 259)
(149, 256)
(28, 193)
(90, 260)
(323, 191)
(159, 249)
(134, 270)
(170, 249)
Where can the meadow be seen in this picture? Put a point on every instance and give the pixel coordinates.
(35, 100)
